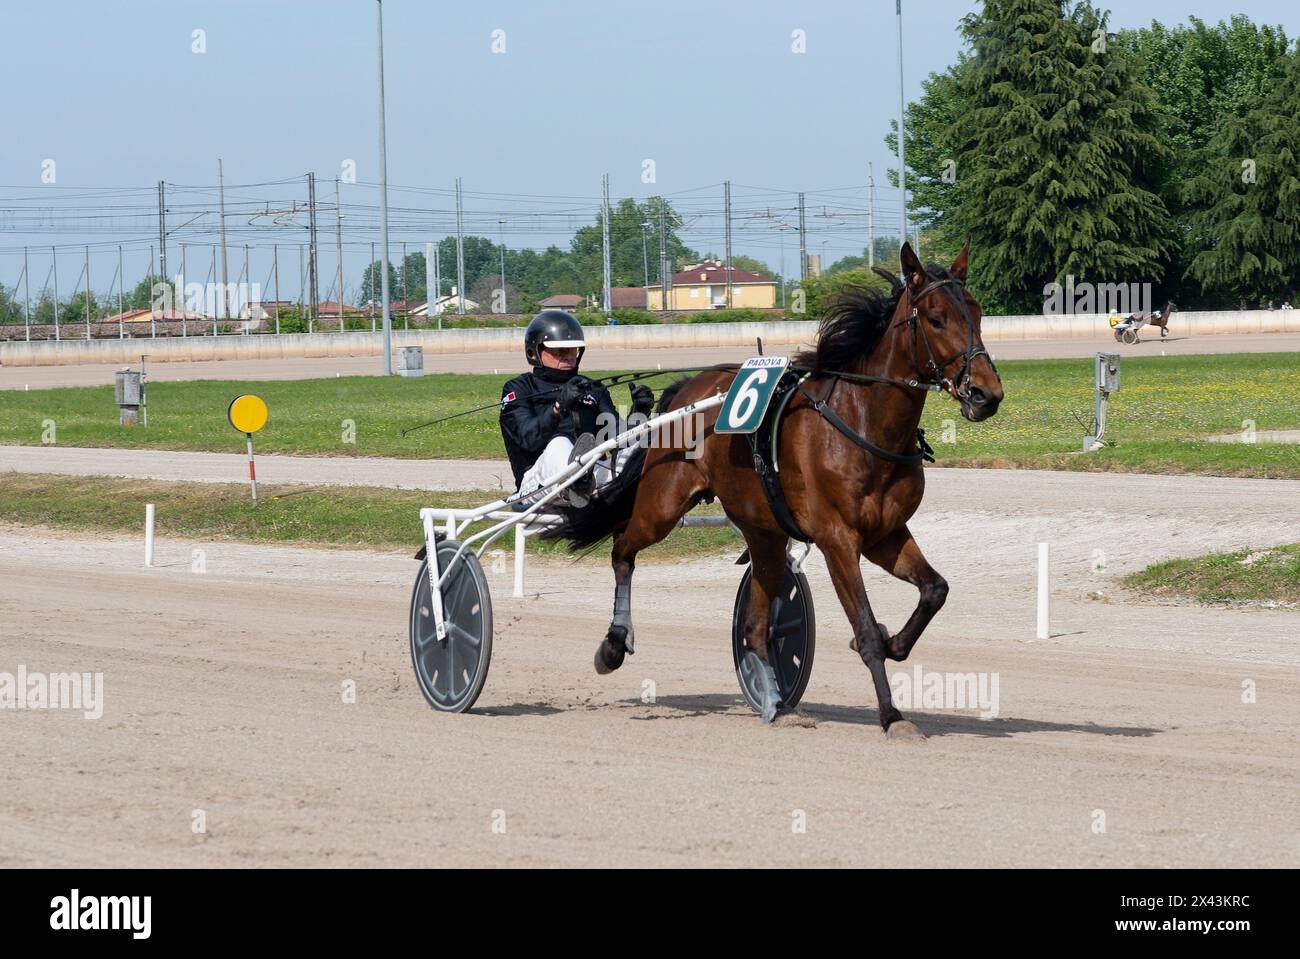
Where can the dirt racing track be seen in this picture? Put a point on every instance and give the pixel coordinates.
(1122, 740)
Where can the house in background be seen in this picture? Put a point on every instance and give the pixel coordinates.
(703, 286)
(562, 301)
(627, 297)
(443, 305)
(147, 315)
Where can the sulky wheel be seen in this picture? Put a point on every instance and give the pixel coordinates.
(1130, 337)
(451, 671)
(792, 639)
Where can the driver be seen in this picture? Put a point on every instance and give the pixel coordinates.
(550, 414)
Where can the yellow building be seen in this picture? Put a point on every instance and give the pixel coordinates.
(703, 286)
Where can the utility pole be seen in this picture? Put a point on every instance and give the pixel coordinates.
(460, 252)
(27, 292)
(605, 241)
(54, 254)
(437, 277)
(430, 296)
(645, 257)
(225, 270)
(248, 286)
(88, 292)
(780, 232)
(871, 216)
(663, 258)
(383, 201)
(902, 152)
(184, 305)
(275, 268)
(121, 282)
(338, 240)
(215, 308)
(505, 300)
(727, 205)
(371, 298)
(313, 287)
(405, 293)
(162, 229)
(803, 243)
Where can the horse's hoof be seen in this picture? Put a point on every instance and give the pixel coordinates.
(901, 730)
(610, 653)
(762, 684)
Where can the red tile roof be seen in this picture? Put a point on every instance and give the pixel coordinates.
(712, 271)
(562, 301)
(627, 298)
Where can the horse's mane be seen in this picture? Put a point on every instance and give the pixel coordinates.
(855, 320)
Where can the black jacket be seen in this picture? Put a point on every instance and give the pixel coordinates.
(528, 422)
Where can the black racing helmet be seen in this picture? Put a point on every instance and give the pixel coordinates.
(556, 329)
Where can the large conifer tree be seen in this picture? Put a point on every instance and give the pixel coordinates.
(1246, 198)
(1057, 153)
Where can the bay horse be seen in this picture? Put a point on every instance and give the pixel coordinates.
(874, 362)
(1159, 319)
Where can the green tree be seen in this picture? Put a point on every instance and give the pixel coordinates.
(1056, 153)
(628, 221)
(1244, 200)
(371, 281)
(1208, 78)
(936, 174)
(11, 306)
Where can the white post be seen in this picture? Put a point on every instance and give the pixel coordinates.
(1043, 632)
(148, 534)
(519, 561)
(252, 471)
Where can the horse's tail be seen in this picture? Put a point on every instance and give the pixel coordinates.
(611, 508)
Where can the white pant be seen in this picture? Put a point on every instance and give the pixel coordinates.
(556, 456)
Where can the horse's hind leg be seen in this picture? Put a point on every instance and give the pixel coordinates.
(653, 517)
(899, 556)
(767, 554)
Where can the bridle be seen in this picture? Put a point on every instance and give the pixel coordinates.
(938, 381)
(935, 369)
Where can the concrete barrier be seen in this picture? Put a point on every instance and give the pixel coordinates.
(776, 333)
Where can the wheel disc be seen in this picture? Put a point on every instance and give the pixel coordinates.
(791, 639)
(451, 671)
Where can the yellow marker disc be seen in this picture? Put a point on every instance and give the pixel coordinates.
(248, 413)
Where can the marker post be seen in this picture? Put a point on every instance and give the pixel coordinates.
(248, 414)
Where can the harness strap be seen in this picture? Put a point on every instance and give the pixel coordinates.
(910, 459)
(762, 444)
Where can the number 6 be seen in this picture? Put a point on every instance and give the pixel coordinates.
(746, 399)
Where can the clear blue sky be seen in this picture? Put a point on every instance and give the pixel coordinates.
(113, 93)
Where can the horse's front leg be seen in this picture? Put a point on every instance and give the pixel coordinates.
(898, 555)
(868, 640)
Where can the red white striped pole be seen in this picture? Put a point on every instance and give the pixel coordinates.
(252, 472)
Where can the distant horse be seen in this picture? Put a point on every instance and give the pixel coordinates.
(874, 361)
(1159, 318)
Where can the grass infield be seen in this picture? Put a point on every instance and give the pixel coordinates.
(341, 517)
(1157, 420)
(1252, 576)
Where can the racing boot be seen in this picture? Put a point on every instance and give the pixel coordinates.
(579, 494)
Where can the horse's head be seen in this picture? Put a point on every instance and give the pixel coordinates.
(943, 322)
